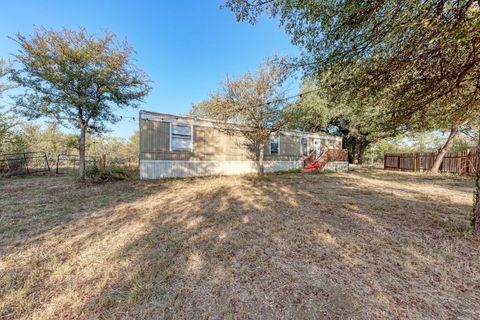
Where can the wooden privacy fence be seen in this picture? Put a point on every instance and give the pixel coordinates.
(464, 162)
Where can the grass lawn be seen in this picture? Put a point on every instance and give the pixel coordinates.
(364, 244)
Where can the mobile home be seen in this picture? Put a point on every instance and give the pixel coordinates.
(181, 146)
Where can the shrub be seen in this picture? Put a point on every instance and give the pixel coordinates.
(119, 173)
(114, 173)
(92, 171)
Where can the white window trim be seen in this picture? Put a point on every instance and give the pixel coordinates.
(171, 134)
(270, 145)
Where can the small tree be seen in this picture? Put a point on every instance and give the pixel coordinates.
(10, 140)
(253, 101)
(77, 79)
(4, 126)
(3, 73)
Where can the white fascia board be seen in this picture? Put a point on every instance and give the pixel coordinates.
(310, 135)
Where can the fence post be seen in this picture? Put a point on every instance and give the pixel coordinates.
(384, 162)
(441, 163)
(469, 161)
(103, 161)
(398, 162)
(26, 164)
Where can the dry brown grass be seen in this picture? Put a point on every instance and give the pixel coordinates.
(365, 244)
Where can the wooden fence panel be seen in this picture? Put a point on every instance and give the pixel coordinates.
(473, 162)
(463, 162)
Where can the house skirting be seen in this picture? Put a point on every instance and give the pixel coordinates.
(156, 169)
(337, 166)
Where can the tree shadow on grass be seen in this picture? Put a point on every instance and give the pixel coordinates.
(273, 250)
(31, 207)
(447, 180)
(45, 221)
(288, 246)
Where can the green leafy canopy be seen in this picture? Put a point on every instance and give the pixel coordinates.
(417, 60)
(76, 78)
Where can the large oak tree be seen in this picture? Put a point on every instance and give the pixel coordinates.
(418, 60)
(324, 109)
(77, 78)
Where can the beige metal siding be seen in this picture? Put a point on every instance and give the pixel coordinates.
(290, 146)
(214, 144)
(208, 144)
(154, 138)
(289, 149)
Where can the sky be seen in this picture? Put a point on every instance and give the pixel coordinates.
(186, 47)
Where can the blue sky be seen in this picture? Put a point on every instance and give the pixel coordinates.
(186, 47)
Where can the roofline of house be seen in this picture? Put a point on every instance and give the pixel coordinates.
(168, 118)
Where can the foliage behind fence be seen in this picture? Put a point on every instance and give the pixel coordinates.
(66, 163)
(464, 162)
(24, 163)
(70, 163)
(28, 163)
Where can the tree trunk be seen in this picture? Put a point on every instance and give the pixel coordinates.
(359, 148)
(351, 151)
(475, 220)
(261, 154)
(357, 144)
(349, 144)
(81, 166)
(446, 148)
(476, 205)
(361, 154)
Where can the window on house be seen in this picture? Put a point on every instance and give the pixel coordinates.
(304, 146)
(181, 137)
(274, 146)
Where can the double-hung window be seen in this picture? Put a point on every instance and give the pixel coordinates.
(304, 146)
(274, 146)
(181, 137)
